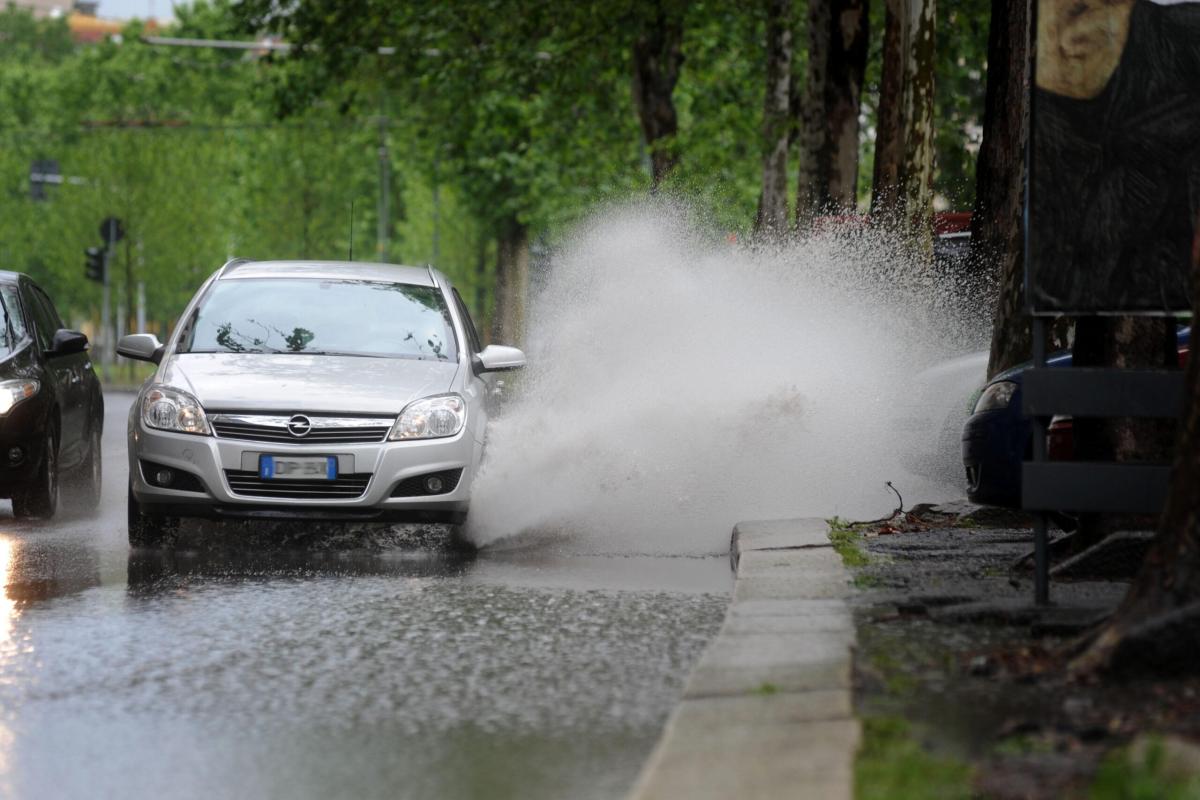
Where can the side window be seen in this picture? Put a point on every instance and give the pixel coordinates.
(12, 318)
(45, 319)
(469, 323)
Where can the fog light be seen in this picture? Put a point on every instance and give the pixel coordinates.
(434, 484)
(164, 477)
(15, 454)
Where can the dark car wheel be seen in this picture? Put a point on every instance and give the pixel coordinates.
(40, 498)
(149, 530)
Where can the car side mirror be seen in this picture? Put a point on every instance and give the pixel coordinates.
(498, 358)
(66, 343)
(141, 347)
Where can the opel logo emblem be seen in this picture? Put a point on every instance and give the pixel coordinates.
(299, 425)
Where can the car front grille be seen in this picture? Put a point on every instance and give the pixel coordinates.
(343, 487)
(283, 430)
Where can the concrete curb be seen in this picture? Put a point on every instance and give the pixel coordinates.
(767, 712)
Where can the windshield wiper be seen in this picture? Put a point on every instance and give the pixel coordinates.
(330, 353)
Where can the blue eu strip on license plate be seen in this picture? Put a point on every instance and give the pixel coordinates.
(276, 468)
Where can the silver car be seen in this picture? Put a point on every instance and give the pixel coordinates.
(312, 390)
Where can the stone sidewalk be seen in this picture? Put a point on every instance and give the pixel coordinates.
(767, 713)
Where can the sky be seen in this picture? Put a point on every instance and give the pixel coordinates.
(125, 9)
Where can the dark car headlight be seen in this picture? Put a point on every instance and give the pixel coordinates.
(996, 396)
(13, 392)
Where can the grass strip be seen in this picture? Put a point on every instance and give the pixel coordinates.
(846, 542)
(893, 765)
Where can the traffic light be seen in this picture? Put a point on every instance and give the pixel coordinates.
(93, 265)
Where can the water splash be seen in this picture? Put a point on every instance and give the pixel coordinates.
(679, 383)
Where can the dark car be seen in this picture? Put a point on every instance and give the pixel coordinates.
(51, 407)
(997, 438)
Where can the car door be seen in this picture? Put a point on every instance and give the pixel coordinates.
(66, 373)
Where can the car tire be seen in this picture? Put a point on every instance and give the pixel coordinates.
(90, 478)
(149, 530)
(458, 541)
(40, 499)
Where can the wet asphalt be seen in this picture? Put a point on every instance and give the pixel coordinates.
(342, 661)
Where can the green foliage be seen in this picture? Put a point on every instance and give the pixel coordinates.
(846, 541)
(719, 99)
(893, 765)
(182, 145)
(496, 111)
(960, 83)
(959, 88)
(1149, 777)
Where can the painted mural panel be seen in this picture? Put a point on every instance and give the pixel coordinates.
(1115, 171)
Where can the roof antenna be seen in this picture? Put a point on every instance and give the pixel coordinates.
(351, 230)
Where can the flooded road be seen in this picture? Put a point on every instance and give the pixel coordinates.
(311, 665)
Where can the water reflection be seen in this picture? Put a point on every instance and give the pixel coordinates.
(39, 571)
(8, 605)
(8, 614)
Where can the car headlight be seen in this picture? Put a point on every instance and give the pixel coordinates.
(431, 418)
(996, 396)
(172, 410)
(13, 392)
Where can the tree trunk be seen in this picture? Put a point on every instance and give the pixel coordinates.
(837, 61)
(1169, 578)
(512, 283)
(773, 202)
(918, 106)
(903, 180)
(657, 58)
(996, 242)
(889, 127)
(482, 316)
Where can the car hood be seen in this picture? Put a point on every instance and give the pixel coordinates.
(294, 383)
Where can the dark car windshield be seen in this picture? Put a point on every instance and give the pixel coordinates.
(12, 324)
(327, 317)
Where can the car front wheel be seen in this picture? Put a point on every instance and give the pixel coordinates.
(40, 498)
(149, 530)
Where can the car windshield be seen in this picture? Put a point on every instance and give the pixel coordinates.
(12, 325)
(323, 317)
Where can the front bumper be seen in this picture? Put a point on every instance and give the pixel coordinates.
(994, 444)
(24, 427)
(213, 461)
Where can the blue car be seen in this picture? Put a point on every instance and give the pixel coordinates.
(997, 438)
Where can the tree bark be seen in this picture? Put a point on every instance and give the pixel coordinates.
(918, 106)
(512, 283)
(482, 317)
(837, 61)
(773, 202)
(902, 192)
(996, 242)
(657, 58)
(1169, 578)
(889, 127)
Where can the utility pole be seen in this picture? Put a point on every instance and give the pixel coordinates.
(383, 224)
(437, 210)
(112, 232)
(110, 242)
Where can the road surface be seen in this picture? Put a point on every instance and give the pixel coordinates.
(300, 662)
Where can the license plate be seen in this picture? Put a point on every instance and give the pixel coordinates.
(297, 468)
